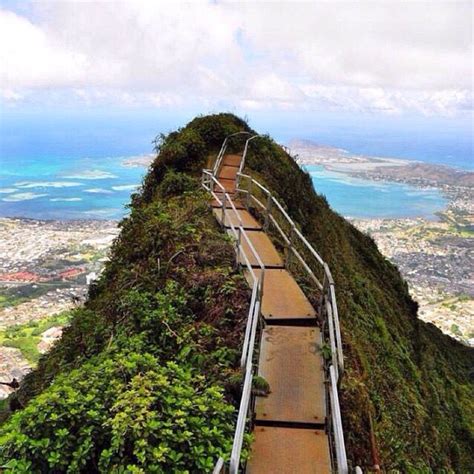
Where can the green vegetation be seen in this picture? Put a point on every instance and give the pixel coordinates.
(139, 381)
(260, 386)
(146, 378)
(27, 336)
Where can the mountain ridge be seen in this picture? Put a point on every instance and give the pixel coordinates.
(162, 315)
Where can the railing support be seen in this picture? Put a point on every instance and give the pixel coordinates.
(267, 212)
(337, 425)
(290, 247)
(224, 204)
(249, 194)
(327, 302)
(219, 466)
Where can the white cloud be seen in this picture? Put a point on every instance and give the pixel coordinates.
(389, 56)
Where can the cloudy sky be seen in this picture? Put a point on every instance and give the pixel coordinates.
(381, 57)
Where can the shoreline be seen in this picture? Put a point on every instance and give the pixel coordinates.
(454, 184)
(435, 254)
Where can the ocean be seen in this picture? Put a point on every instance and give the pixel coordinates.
(359, 198)
(75, 168)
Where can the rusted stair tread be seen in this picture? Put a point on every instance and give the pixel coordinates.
(231, 160)
(248, 221)
(265, 249)
(289, 451)
(227, 184)
(290, 361)
(228, 172)
(237, 202)
(282, 297)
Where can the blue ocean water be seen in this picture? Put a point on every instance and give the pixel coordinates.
(56, 166)
(354, 197)
(69, 167)
(55, 188)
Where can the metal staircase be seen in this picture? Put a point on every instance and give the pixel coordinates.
(297, 427)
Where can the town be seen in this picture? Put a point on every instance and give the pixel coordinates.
(45, 268)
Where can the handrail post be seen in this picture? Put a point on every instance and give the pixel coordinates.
(337, 425)
(219, 466)
(224, 203)
(289, 247)
(239, 241)
(267, 212)
(249, 193)
(337, 327)
(323, 290)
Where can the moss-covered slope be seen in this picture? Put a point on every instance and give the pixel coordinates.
(144, 379)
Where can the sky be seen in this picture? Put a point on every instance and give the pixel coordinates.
(384, 58)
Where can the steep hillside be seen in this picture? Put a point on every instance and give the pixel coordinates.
(146, 380)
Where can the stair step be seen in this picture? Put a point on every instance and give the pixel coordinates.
(265, 249)
(289, 451)
(237, 202)
(228, 172)
(232, 160)
(283, 299)
(248, 221)
(291, 363)
(227, 184)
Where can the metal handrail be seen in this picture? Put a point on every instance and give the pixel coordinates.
(327, 307)
(329, 291)
(209, 182)
(221, 153)
(244, 155)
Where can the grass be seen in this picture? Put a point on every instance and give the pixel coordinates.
(26, 337)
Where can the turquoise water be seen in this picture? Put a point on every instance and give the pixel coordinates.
(100, 188)
(55, 188)
(71, 167)
(354, 197)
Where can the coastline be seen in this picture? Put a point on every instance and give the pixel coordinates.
(435, 255)
(456, 185)
(47, 264)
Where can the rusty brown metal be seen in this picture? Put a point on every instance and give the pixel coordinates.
(237, 203)
(228, 172)
(231, 160)
(283, 298)
(290, 361)
(227, 184)
(265, 249)
(289, 451)
(248, 221)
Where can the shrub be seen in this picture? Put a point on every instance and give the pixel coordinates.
(121, 411)
(185, 151)
(175, 183)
